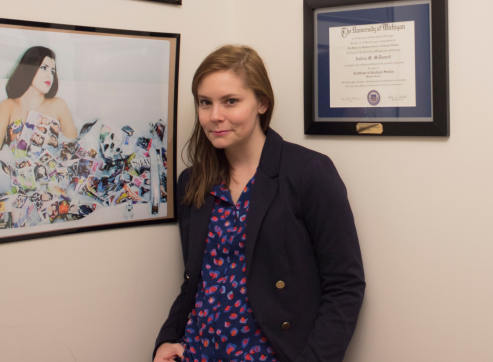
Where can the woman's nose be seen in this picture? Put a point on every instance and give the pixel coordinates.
(216, 113)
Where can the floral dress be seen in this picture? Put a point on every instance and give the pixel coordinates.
(221, 326)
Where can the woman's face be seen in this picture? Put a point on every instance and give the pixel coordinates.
(228, 111)
(43, 79)
(42, 171)
(37, 139)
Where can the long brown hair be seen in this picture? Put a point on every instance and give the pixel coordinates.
(209, 165)
(23, 75)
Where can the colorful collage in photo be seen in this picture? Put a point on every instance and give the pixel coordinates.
(48, 178)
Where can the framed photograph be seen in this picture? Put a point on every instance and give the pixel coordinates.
(87, 128)
(376, 67)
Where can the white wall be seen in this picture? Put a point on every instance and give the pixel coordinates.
(423, 207)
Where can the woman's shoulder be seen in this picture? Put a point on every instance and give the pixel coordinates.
(8, 104)
(56, 102)
(182, 182)
(7, 110)
(288, 155)
(309, 172)
(184, 176)
(293, 161)
(301, 157)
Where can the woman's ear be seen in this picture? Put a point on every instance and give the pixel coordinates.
(263, 106)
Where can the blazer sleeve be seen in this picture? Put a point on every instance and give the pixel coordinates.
(329, 220)
(174, 326)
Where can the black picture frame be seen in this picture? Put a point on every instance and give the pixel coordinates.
(431, 105)
(120, 88)
(175, 2)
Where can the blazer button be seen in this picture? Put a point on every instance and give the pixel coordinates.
(187, 276)
(285, 325)
(280, 284)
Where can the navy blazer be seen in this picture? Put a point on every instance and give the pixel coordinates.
(305, 279)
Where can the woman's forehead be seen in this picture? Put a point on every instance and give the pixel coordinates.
(48, 61)
(222, 80)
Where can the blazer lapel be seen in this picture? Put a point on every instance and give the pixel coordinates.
(264, 190)
(263, 193)
(199, 218)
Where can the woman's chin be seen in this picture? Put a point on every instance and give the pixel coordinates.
(220, 143)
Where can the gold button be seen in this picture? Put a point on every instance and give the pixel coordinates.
(285, 325)
(280, 284)
(187, 276)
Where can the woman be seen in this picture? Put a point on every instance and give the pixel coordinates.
(31, 92)
(273, 269)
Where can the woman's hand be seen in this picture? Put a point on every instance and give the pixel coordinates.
(168, 351)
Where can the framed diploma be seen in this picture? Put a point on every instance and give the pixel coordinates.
(376, 67)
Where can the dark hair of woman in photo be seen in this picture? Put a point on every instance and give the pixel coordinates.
(31, 91)
(273, 269)
(22, 77)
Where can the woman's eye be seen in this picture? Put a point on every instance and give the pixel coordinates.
(43, 67)
(231, 101)
(204, 102)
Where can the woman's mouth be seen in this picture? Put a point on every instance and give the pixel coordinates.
(48, 83)
(219, 132)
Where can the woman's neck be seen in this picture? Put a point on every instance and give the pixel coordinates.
(243, 163)
(245, 158)
(31, 99)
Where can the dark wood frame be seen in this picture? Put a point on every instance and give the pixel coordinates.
(174, 41)
(440, 90)
(175, 2)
